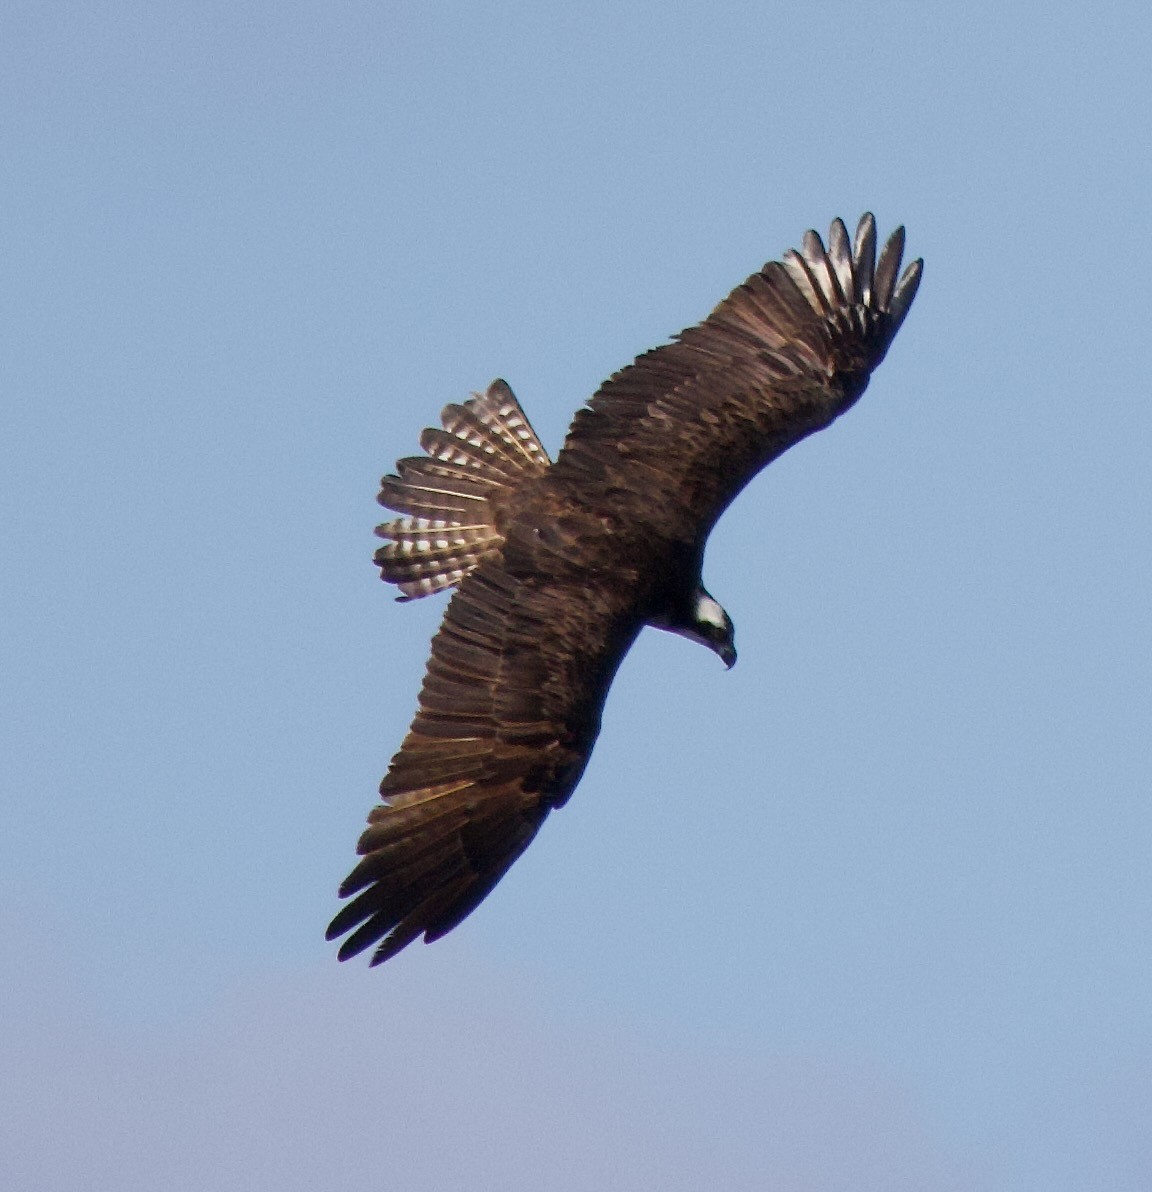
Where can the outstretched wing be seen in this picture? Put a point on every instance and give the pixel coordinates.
(509, 711)
(687, 425)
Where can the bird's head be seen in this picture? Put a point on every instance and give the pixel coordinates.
(712, 627)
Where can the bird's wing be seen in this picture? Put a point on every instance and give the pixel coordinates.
(509, 711)
(688, 424)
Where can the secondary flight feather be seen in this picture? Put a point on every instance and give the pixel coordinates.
(558, 566)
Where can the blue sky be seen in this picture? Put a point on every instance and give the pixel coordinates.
(874, 910)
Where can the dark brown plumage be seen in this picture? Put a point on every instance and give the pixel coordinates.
(559, 566)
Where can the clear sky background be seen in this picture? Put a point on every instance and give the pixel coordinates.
(871, 912)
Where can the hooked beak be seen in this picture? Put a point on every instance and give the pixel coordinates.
(727, 656)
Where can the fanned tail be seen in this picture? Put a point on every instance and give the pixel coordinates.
(486, 447)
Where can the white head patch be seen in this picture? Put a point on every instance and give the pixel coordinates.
(710, 612)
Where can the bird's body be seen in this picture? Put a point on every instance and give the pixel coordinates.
(558, 566)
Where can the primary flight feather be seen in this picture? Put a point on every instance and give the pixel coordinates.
(558, 566)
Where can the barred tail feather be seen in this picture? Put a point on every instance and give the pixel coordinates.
(486, 447)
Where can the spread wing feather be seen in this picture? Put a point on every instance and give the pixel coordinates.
(508, 714)
(780, 357)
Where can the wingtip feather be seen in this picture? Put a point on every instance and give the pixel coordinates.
(837, 277)
(888, 267)
(840, 254)
(864, 257)
(905, 291)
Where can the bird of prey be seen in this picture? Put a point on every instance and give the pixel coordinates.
(558, 565)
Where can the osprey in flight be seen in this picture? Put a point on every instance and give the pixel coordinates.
(558, 566)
